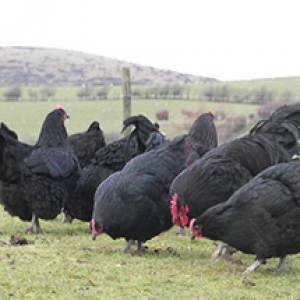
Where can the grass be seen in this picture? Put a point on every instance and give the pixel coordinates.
(64, 263)
(26, 117)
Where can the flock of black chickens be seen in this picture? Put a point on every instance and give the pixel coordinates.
(244, 193)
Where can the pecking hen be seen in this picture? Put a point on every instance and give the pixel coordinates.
(214, 177)
(134, 203)
(260, 218)
(110, 159)
(85, 144)
(36, 180)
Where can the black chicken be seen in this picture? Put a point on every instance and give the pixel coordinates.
(203, 133)
(134, 203)
(215, 176)
(203, 136)
(110, 159)
(260, 218)
(85, 144)
(36, 180)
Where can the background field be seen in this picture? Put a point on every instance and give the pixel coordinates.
(26, 117)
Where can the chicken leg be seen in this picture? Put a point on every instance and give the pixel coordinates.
(34, 222)
(127, 246)
(254, 266)
(282, 265)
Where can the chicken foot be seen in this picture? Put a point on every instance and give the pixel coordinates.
(227, 255)
(34, 222)
(218, 251)
(282, 265)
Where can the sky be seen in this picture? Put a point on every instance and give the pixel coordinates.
(224, 39)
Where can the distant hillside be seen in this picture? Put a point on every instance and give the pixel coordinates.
(28, 66)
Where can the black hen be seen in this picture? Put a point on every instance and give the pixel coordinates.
(261, 218)
(134, 203)
(85, 144)
(36, 180)
(203, 133)
(110, 159)
(214, 177)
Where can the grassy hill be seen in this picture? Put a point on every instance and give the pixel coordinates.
(29, 66)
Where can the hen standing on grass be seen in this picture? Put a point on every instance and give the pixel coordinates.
(219, 173)
(85, 144)
(36, 180)
(134, 203)
(260, 218)
(110, 159)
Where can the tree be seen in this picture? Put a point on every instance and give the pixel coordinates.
(136, 92)
(13, 94)
(47, 93)
(102, 93)
(33, 94)
(209, 93)
(85, 93)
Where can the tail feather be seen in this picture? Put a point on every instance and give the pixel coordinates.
(6, 132)
(143, 125)
(287, 112)
(284, 113)
(94, 126)
(284, 125)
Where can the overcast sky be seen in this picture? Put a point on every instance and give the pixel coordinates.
(225, 39)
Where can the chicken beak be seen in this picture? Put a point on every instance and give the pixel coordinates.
(94, 236)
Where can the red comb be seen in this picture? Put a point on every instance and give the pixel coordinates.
(58, 106)
(210, 112)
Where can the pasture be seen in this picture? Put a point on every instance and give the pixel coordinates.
(26, 118)
(65, 263)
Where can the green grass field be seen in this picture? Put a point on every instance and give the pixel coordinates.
(65, 263)
(26, 117)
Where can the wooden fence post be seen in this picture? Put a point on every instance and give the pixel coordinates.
(126, 96)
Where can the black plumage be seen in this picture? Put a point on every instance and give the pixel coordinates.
(36, 180)
(85, 144)
(203, 133)
(133, 203)
(216, 175)
(261, 218)
(109, 159)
